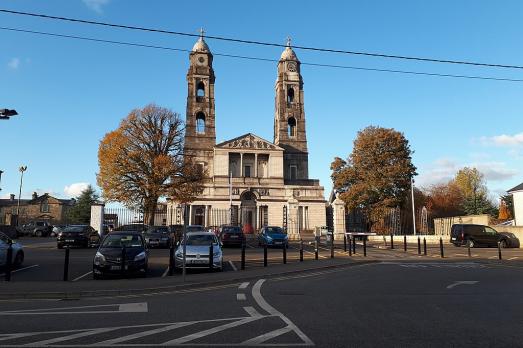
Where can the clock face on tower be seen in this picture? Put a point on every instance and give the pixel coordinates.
(291, 66)
(201, 60)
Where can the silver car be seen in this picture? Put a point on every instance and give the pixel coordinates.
(197, 251)
(18, 251)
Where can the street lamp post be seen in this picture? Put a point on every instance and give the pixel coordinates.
(6, 113)
(1, 172)
(412, 199)
(22, 169)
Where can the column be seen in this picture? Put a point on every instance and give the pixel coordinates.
(241, 164)
(189, 222)
(97, 218)
(338, 215)
(256, 165)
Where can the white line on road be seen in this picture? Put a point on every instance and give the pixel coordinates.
(21, 269)
(241, 297)
(256, 294)
(462, 282)
(121, 308)
(233, 266)
(513, 258)
(70, 337)
(243, 285)
(267, 336)
(165, 272)
(493, 257)
(82, 276)
(143, 334)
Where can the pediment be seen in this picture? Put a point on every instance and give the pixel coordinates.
(249, 141)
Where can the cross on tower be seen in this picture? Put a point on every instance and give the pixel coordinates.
(288, 41)
(202, 32)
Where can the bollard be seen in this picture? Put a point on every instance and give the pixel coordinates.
(404, 242)
(211, 259)
(171, 258)
(419, 246)
(391, 241)
(354, 245)
(316, 248)
(468, 249)
(66, 264)
(243, 256)
(122, 261)
(301, 250)
(350, 246)
(265, 255)
(9, 262)
(441, 247)
(284, 254)
(499, 251)
(344, 242)
(424, 246)
(365, 246)
(332, 245)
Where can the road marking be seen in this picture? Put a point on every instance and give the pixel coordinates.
(233, 266)
(256, 294)
(120, 308)
(21, 269)
(82, 276)
(143, 334)
(241, 297)
(462, 282)
(493, 257)
(308, 252)
(267, 336)
(513, 258)
(165, 272)
(210, 331)
(252, 312)
(71, 337)
(243, 285)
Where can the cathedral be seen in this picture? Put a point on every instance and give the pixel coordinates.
(252, 181)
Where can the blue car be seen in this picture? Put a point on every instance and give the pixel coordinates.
(273, 236)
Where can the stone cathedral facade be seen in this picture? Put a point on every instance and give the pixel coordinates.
(252, 181)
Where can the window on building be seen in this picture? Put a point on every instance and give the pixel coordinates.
(201, 167)
(247, 171)
(290, 95)
(293, 172)
(44, 206)
(200, 123)
(292, 127)
(200, 89)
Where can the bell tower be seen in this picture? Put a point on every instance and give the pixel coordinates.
(289, 118)
(200, 133)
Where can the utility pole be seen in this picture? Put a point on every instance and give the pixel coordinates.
(22, 169)
(413, 205)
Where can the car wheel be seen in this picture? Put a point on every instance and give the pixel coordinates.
(503, 244)
(471, 243)
(96, 276)
(38, 233)
(19, 258)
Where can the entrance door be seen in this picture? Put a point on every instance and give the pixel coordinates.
(199, 216)
(248, 208)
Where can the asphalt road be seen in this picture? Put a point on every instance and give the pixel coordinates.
(388, 304)
(44, 262)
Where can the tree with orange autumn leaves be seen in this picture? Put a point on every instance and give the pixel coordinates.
(143, 160)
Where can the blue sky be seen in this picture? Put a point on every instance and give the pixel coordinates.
(70, 93)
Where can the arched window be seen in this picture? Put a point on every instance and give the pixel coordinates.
(200, 123)
(292, 127)
(200, 89)
(290, 95)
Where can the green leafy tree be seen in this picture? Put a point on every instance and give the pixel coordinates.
(376, 175)
(81, 212)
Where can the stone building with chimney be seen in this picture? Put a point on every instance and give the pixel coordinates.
(252, 181)
(38, 208)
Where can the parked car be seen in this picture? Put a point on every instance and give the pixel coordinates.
(478, 235)
(36, 229)
(131, 227)
(129, 245)
(157, 236)
(18, 251)
(273, 236)
(83, 236)
(197, 251)
(195, 228)
(231, 235)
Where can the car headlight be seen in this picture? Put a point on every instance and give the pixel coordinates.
(269, 238)
(140, 256)
(99, 259)
(286, 237)
(217, 253)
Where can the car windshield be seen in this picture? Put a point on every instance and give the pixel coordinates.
(232, 229)
(120, 241)
(201, 239)
(274, 230)
(194, 228)
(74, 229)
(158, 229)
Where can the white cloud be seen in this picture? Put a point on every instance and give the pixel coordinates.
(503, 140)
(495, 171)
(96, 5)
(14, 63)
(75, 189)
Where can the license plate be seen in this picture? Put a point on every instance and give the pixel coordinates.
(199, 261)
(277, 242)
(153, 242)
(116, 268)
(233, 237)
(69, 240)
(453, 238)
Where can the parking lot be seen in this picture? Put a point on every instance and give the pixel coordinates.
(44, 262)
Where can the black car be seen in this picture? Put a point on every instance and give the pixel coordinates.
(157, 237)
(121, 253)
(231, 235)
(131, 227)
(77, 236)
(480, 235)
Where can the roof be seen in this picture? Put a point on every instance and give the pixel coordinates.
(249, 141)
(201, 46)
(37, 200)
(517, 188)
(288, 54)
